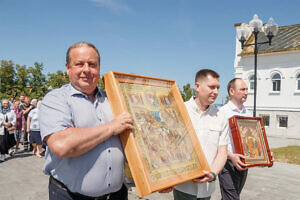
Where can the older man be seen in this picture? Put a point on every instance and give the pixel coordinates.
(212, 130)
(84, 156)
(233, 177)
(20, 123)
(26, 107)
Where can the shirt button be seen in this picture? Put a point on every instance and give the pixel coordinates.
(109, 184)
(108, 150)
(109, 168)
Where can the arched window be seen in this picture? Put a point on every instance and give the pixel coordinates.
(276, 81)
(251, 82)
(298, 82)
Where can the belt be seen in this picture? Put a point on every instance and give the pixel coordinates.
(81, 196)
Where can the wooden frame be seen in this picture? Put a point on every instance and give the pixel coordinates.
(164, 149)
(249, 138)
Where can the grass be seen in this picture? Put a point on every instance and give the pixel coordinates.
(289, 154)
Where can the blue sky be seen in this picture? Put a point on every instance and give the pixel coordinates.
(169, 39)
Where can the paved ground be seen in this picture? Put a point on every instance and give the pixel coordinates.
(21, 178)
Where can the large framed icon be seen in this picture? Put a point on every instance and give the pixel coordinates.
(250, 140)
(163, 150)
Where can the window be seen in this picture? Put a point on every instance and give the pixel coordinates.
(251, 81)
(298, 82)
(282, 121)
(266, 119)
(276, 79)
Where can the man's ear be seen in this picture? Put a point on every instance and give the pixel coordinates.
(197, 84)
(231, 91)
(67, 68)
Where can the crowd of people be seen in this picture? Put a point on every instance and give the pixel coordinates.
(19, 125)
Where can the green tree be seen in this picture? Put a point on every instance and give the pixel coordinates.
(7, 79)
(187, 92)
(21, 79)
(101, 84)
(226, 99)
(58, 79)
(37, 81)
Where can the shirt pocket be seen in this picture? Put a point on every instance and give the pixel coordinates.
(213, 134)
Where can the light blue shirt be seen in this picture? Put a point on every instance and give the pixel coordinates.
(97, 172)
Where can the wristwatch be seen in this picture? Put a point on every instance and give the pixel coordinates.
(214, 175)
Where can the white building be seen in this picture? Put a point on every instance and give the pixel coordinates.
(278, 80)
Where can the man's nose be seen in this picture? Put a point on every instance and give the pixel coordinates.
(86, 67)
(216, 91)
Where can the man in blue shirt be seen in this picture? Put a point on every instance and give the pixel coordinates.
(84, 156)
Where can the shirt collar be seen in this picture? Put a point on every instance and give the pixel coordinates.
(235, 108)
(195, 107)
(74, 91)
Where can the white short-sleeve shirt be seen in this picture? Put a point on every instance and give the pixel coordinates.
(212, 130)
(230, 110)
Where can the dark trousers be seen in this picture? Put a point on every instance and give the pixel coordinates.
(178, 195)
(231, 181)
(57, 191)
(25, 140)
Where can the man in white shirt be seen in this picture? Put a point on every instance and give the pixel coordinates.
(211, 127)
(233, 177)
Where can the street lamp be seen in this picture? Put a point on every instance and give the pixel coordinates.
(255, 26)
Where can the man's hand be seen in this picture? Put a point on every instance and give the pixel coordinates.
(6, 124)
(236, 161)
(121, 123)
(272, 158)
(206, 178)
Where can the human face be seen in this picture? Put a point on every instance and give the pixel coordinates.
(84, 69)
(34, 103)
(5, 104)
(17, 104)
(207, 90)
(239, 93)
(27, 101)
(22, 98)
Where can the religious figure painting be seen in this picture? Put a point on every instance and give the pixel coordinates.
(163, 150)
(250, 140)
(159, 130)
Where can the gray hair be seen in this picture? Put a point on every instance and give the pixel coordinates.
(33, 100)
(4, 100)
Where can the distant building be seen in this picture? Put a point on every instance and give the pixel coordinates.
(278, 80)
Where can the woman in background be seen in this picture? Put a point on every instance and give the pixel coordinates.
(33, 128)
(7, 127)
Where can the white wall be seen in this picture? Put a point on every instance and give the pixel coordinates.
(292, 131)
(287, 64)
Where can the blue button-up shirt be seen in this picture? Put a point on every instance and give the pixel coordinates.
(97, 172)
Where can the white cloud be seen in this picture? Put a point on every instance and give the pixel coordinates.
(115, 5)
